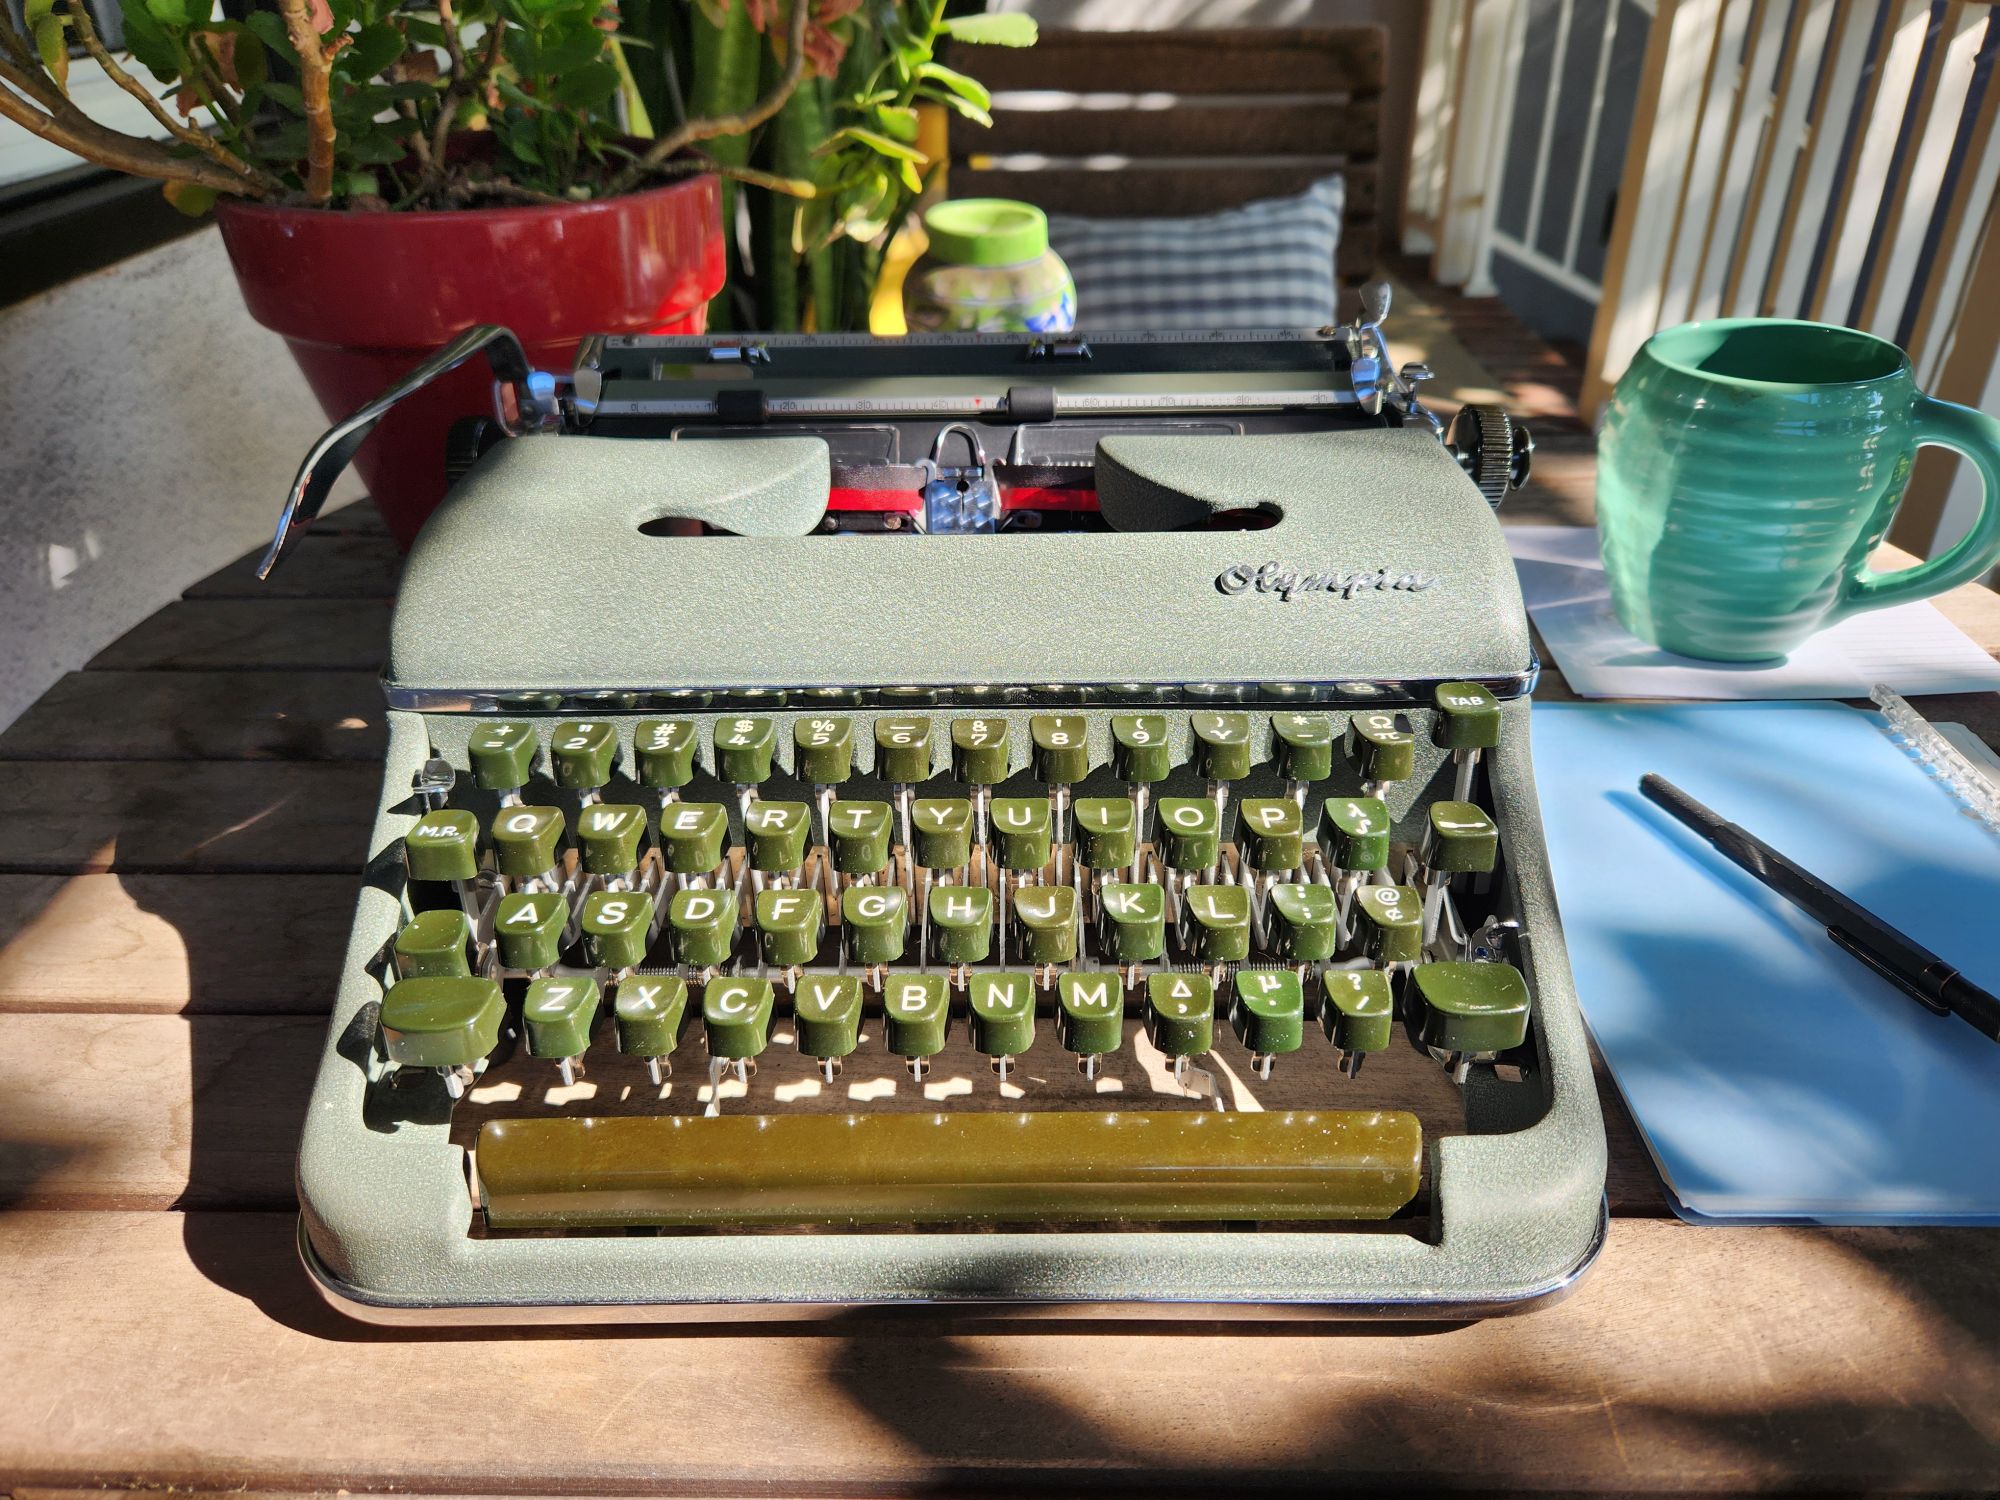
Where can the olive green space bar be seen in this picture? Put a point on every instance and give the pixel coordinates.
(1073, 1166)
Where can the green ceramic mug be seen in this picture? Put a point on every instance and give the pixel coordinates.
(1747, 468)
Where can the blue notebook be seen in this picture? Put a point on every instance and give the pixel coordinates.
(1771, 1075)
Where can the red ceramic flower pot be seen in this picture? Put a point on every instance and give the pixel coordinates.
(361, 297)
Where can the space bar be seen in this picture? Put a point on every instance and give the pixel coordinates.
(1056, 1166)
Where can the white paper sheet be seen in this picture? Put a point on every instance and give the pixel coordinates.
(1912, 647)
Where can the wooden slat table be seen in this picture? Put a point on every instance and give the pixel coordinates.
(181, 826)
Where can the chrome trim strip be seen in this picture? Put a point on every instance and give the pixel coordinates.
(354, 1303)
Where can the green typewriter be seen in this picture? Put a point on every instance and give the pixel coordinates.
(977, 820)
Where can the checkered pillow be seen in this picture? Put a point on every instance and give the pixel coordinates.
(1265, 265)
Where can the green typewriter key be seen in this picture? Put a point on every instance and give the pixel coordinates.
(1270, 834)
(1459, 839)
(826, 1019)
(1002, 1008)
(1391, 919)
(1468, 1011)
(1268, 1015)
(502, 757)
(1217, 928)
(961, 923)
(777, 833)
(1357, 832)
(1133, 924)
(664, 750)
(1303, 923)
(1180, 1016)
(788, 926)
(860, 837)
(744, 749)
(876, 920)
(823, 750)
(736, 1014)
(1467, 721)
(1062, 748)
(916, 1015)
(1048, 922)
(647, 1011)
(617, 929)
(903, 751)
(608, 836)
(1358, 1014)
(943, 832)
(1090, 1018)
(529, 929)
(1305, 749)
(691, 836)
(1106, 832)
(1382, 748)
(1022, 828)
(584, 753)
(447, 1024)
(1140, 754)
(443, 845)
(980, 753)
(527, 843)
(703, 924)
(1222, 746)
(1191, 828)
(435, 945)
(559, 1013)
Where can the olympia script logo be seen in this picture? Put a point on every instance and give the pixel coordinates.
(1288, 583)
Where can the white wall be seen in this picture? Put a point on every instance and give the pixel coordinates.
(148, 430)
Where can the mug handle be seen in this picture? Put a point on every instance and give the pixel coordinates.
(1976, 436)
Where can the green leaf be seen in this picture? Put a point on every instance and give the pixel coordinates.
(1009, 30)
(588, 87)
(284, 95)
(900, 123)
(283, 142)
(268, 29)
(971, 90)
(175, 12)
(514, 94)
(357, 184)
(148, 41)
(189, 198)
(575, 47)
(876, 139)
(36, 11)
(429, 33)
(373, 49)
(911, 178)
(53, 46)
(964, 107)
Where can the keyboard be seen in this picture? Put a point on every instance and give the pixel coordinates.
(962, 820)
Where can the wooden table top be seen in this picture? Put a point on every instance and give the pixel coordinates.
(182, 823)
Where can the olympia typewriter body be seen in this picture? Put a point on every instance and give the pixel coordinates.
(975, 820)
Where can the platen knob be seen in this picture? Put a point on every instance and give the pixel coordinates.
(1492, 448)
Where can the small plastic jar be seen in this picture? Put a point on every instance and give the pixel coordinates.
(989, 269)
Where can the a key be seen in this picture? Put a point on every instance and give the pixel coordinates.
(451, 1025)
(826, 1019)
(435, 945)
(1090, 1018)
(608, 836)
(559, 1013)
(617, 929)
(527, 843)
(860, 837)
(961, 923)
(692, 836)
(1048, 923)
(1132, 926)
(648, 1010)
(1382, 748)
(1218, 926)
(823, 749)
(776, 833)
(1304, 743)
(503, 757)
(1022, 829)
(1268, 1015)
(736, 1015)
(1180, 1017)
(1302, 923)
(980, 753)
(876, 922)
(1002, 1010)
(1467, 722)
(943, 832)
(903, 750)
(703, 925)
(1357, 1014)
(1106, 832)
(1391, 920)
(665, 751)
(1459, 839)
(528, 927)
(443, 846)
(584, 753)
(744, 749)
(916, 1015)
(1464, 1012)
(1270, 834)
(788, 926)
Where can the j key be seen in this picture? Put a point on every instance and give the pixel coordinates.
(584, 753)
(1062, 751)
(1218, 925)
(1304, 743)
(788, 925)
(776, 833)
(691, 836)
(1191, 829)
(903, 751)
(943, 832)
(1471, 1008)
(980, 754)
(1139, 751)
(443, 845)
(502, 755)
(1133, 924)
(448, 1024)
(1022, 828)
(1180, 1014)
(1391, 919)
(529, 930)
(876, 923)
(703, 924)
(1357, 832)
(736, 1015)
(961, 923)
(916, 1015)
(1381, 746)
(861, 833)
(436, 945)
(1090, 1017)
(826, 1017)
(665, 751)
(617, 928)
(1303, 923)
(608, 836)
(1222, 746)
(527, 841)
(1106, 832)
(1002, 1008)
(744, 749)
(1270, 833)
(648, 1010)
(1358, 1013)
(823, 749)
(1048, 923)
(1268, 1014)
(559, 1013)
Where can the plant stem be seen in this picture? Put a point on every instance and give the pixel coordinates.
(315, 80)
(64, 125)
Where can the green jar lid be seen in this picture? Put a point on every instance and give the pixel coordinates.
(986, 231)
